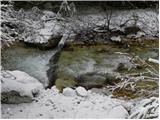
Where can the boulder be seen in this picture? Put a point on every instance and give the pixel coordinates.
(49, 43)
(18, 87)
(81, 91)
(118, 112)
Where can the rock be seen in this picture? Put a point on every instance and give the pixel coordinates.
(19, 87)
(91, 80)
(98, 80)
(132, 30)
(111, 78)
(49, 43)
(116, 39)
(81, 91)
(118, 112)
(69, 92)
(48, 35)
(121, 67)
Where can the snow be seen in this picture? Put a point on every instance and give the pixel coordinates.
(20, 82)
(153, 60)
(137, 35)
(81, 91)
(146, 109)
(118, 112)
(68, 92)
(116, 39)
(53, 104)
(37, 26)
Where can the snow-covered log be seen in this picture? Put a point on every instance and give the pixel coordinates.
(153, 60)
(145, 109)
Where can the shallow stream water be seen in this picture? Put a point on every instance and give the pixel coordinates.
(75, 60)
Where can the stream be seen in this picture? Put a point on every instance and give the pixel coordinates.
(30, 60)
(74, 61)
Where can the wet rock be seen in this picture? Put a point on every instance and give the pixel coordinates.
(69, 92)
(111, 78)
(52, 75)
(64, 80)
(13, 97)
(90, 80)
(121, 67)
(18, 87)
(51, 43)
(93, 79)
(81, 91)
(132, 30)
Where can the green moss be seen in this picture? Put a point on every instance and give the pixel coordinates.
(125, 93)
(64, 80)
(78, 53)
(146, 85)
(99, 53)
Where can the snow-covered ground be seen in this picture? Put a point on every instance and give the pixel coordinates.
(52, 104)
(70, 103)
(37, 26)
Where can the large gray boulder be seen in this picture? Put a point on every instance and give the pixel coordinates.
(18, 87)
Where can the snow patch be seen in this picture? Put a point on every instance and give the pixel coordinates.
(116, 39)
(81, 91)
(69, 92)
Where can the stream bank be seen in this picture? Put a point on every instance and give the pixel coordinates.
(99, 65)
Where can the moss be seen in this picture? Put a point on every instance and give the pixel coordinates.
(146, 85)
(125, 93)
(96, 52)
(64, 80)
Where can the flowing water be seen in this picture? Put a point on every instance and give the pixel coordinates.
(73, 61)
(30, 60)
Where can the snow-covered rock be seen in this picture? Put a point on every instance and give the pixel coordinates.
(69, 92)
(18, 87)
(81, 91)
(116, 39)
(118, 112)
